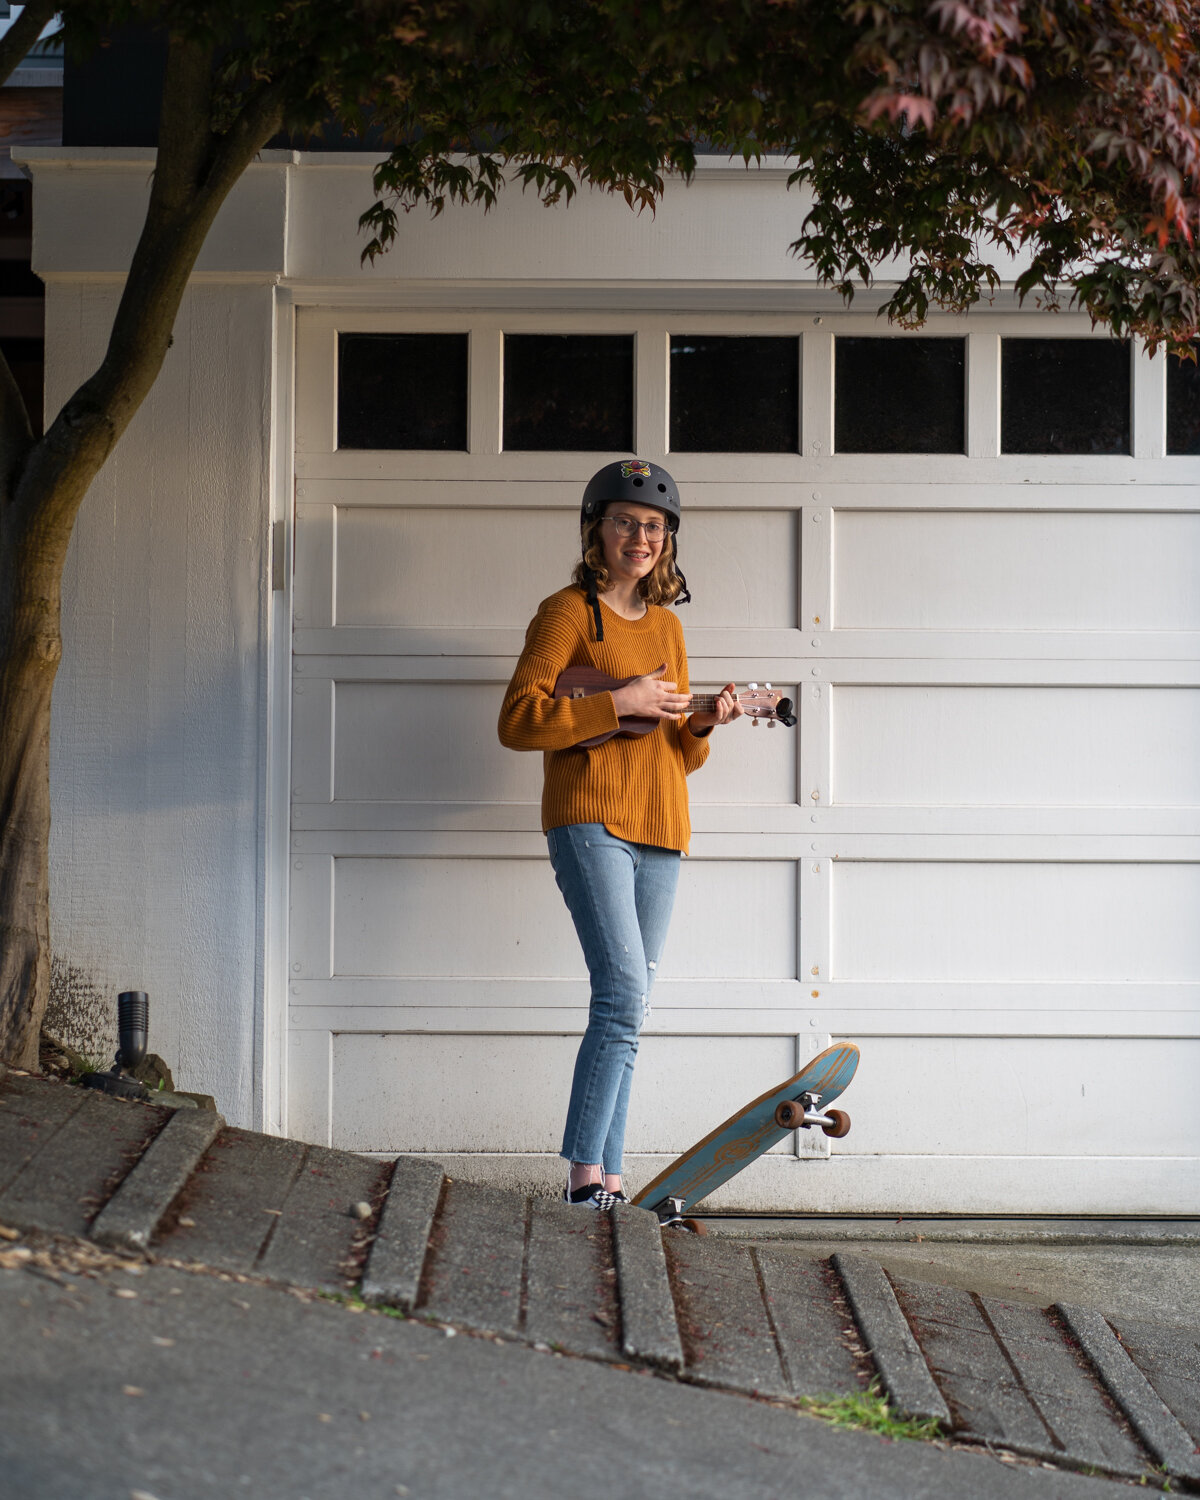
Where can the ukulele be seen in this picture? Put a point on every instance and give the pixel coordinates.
(758, 703)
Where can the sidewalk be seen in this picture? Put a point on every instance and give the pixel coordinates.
(1146, 1269)
(960, 1332)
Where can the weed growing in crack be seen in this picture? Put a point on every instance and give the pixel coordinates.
(356, 1304)
(868, 1411)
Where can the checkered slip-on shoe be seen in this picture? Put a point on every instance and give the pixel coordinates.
(590, 1195)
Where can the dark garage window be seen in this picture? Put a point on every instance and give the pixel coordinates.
(735, 395)
(1183, 405)
(898, 395)
(570, 392)
(1064, 396)
(402, 390)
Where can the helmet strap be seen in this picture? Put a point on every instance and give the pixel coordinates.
(685, 594)
(594, 600)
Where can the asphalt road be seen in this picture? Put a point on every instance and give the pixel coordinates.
(198, 1386)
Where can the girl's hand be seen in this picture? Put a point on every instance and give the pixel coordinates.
(650, 698)
(728, 709)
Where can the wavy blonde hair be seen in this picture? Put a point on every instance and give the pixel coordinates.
(660, 586)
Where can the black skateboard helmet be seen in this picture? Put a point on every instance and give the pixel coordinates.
(638, 482)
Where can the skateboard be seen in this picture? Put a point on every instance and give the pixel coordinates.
(799, 1104)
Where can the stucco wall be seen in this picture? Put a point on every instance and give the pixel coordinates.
(159, 708)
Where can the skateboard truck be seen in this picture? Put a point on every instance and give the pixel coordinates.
(671, 1216)
(804, 1112)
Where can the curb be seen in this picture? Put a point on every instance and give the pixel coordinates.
(902, 1368)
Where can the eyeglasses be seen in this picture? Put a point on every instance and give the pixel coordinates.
(627, 527)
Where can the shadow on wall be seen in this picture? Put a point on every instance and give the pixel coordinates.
(172, 744)
(80, 1014)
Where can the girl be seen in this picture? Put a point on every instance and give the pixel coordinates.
(615, 816)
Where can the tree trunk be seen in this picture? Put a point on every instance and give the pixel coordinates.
(42, 485)
(29, 608)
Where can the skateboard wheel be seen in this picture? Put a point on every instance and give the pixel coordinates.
(840, 1125)
(694, 1226)
(790, 1114)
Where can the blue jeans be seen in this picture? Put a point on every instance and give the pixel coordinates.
(620, 897)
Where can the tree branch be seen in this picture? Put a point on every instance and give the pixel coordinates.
(194, 174)
(197, 173)
(16, 434)
(23, 32)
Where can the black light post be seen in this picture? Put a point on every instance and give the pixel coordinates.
(133, 1029)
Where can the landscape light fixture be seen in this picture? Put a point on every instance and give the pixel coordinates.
(133, 1030)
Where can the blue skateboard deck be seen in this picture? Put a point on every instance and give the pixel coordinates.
(744, 1137)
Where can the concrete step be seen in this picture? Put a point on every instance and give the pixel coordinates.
(649, 1326)
(1063, 1384)
(132, 1216)
(1153, 1374)
(778, 1326)
(397, 1254)
(570, 1281)
(902, 1367)
(1011, 1378)
(476, 1258)
(813, 1324)
(67, 1154)
(260, 1205)
(728, 1339)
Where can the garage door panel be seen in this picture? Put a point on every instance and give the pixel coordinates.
(748, 764)
(427, 742)
(409, 1091)
(391, 566)
(964, 1096)
(990, 921)
(742, 569)
(1016, 570)
(981, 746)
(429, 568)
(504, 918)
(435, 742)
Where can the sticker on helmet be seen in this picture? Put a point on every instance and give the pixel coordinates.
(635, 466)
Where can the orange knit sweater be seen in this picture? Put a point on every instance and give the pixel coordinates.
(635, 786)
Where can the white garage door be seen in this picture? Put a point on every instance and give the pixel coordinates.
(977, 856)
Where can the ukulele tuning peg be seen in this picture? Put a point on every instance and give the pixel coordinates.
(754, 723)
(753, 686)
(771, 723)
(767, 685)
